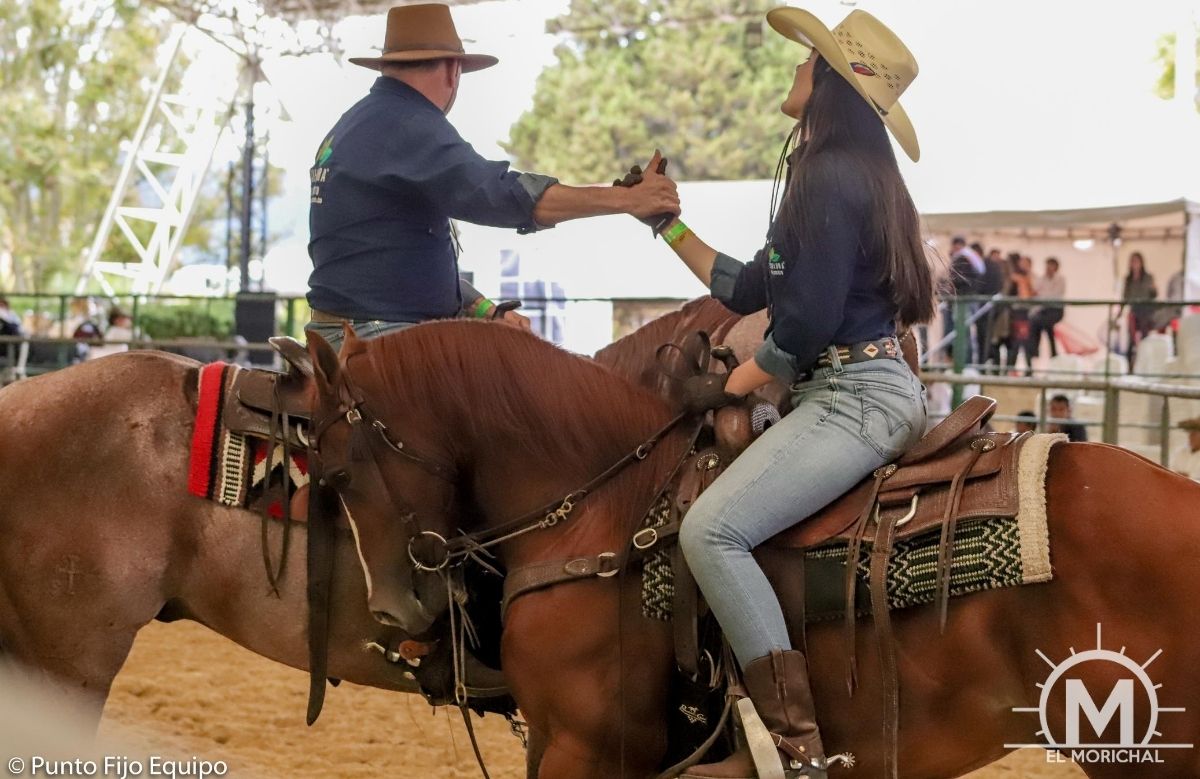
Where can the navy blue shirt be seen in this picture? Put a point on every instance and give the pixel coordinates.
(387, 180)
(828, 292)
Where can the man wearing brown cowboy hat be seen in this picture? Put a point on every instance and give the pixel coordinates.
(393, 172)
(1186, 459)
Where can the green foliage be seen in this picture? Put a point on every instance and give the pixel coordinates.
(1165, 57)
(74, 79)
(187, 319)
(683, 75)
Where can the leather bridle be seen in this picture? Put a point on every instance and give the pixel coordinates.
(367, 429)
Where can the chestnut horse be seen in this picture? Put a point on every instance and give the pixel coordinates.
(98, 535)
(512, 423)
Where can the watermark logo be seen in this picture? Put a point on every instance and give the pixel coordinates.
(1087, 718)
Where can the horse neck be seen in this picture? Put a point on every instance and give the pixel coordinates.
(542, 423)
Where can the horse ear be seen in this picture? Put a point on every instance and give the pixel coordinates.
(325, 362)
(353, 344)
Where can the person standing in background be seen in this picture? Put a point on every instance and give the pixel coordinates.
(1020, 285)
(967, 270)
(1139, 287)
(993, 282)
(1042, 319)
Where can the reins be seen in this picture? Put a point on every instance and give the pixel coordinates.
(457, 550)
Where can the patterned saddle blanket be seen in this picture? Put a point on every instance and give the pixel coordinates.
(230, 467)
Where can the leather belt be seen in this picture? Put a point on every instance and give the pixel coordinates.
(883, 348)
(328, 319)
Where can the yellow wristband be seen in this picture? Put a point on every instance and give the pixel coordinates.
(675, 233)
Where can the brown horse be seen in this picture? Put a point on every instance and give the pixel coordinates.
(518, 423)
(98, 535)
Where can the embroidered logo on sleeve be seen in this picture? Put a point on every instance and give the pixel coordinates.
(319, 172)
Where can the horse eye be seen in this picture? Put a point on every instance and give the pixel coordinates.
(338, 479)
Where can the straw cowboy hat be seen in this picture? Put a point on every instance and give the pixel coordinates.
(416, 33)
(868, 55)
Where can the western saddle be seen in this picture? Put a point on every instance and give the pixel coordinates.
(262, 403)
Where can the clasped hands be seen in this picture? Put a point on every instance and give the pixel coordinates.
(657, 197)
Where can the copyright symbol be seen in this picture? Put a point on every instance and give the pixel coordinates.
(16, 766)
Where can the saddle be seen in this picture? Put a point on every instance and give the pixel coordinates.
(954, 463)
(258, 402)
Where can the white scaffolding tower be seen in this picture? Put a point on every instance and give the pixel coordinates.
(165, 165)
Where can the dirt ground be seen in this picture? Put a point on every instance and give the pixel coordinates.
(187, 691)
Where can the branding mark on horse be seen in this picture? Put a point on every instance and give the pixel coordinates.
(68, 569)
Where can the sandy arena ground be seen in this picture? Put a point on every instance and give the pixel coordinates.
(187, 691)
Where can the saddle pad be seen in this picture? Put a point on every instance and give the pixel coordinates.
(988, 554)
(230, 468)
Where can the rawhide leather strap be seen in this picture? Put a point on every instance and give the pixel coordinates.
(881, 553)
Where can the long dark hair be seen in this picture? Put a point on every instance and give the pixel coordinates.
(1141, 267)
(840, 128)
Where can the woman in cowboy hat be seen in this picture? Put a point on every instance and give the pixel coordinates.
(843, 270)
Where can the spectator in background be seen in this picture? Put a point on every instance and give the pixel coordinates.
(116, 337)
(1186, 459)
(10, 323)
(120, 327)
(1020, 285)
(1026, 422)
(967, 270)
(1060, 419)
(1139, 287)
(1165, 318)
(993, 282)
(1042, 319)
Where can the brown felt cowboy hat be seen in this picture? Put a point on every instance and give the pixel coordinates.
(868, 55)
(1190, 424)
(418, 33)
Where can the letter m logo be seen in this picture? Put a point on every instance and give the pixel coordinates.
(1078, 699)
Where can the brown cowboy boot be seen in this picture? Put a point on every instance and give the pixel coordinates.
(779, 688)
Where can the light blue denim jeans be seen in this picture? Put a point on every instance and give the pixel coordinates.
(846, 421)
(363, 328)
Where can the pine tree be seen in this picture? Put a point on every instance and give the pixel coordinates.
(703, 81)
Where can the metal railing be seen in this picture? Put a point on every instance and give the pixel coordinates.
(1111, 390)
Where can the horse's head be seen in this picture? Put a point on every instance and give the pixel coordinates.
(393, 479)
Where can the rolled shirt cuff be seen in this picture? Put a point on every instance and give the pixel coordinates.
(468, 292)
(535, 185)
(776, 361)
(724, 276)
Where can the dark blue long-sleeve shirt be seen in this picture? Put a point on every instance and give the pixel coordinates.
(387, 180)
(830, 291)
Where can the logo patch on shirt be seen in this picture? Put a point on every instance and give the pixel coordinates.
(319, 172)
(325, 152)
(775, 262)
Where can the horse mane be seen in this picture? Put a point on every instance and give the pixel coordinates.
(509, 387)
(633, 356)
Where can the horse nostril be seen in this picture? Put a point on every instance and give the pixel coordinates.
(385, 618)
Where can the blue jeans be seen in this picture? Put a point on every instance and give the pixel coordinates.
(845, 422)
(363, 328)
